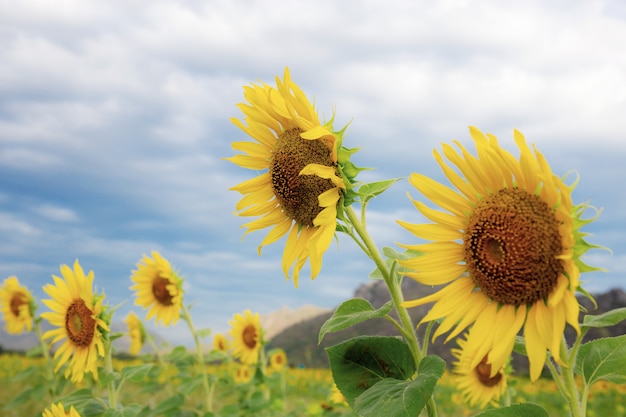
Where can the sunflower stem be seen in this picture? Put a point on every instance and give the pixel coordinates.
(395, 291)
(108, 365)
(573, 396)
(208, 397)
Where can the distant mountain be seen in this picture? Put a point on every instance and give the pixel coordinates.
(277, 321)
(300, 340)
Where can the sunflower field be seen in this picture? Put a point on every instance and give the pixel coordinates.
(503, 248)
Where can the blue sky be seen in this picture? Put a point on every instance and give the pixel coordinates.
(114, 119)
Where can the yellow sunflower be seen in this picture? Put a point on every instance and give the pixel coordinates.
(478, 385)
(136, 332)
(57, 410)
(77, 315)
(243, 374)
(17, 306)
(277, 360)
(507, 244)
(158, 288)
(247, 337)
(298, 192)
(220, 343)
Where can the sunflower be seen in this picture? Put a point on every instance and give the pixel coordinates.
(477, 384)
(277, 360)
(57, 410)
(508, 247)
(136, 332)
(17, 306)
(298, 192)
(158, 288)
(243, 374)
(77, 315)
(220, 343)
(247, 338)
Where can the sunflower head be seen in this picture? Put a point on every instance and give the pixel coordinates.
(79, 320)
(247, 337)
(243, 374)
(277, 360)
(220, 343)
(136, 332)
(305, 172)
(57, 410)
(507, 244)
(17, 306)
(158, 288)
(478, 383)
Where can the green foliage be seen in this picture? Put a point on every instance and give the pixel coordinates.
(603, 359)
(359, 363)
(610, 318)
(394, 398)
(516, 410)
(351, 312)
(368, 191)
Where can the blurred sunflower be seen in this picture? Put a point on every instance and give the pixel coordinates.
(57, 410)
(508, 245)
(243, 374)
(302, 184)
(17, 306)
(277, 360)
(247, 337)
(477, 384)
(136, 332)
(220, 343)
(78, 317)
(159, 289)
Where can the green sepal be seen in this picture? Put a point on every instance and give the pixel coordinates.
(351, 312)
(516, 410)
(602, 359)
(359, 363)
(391, 397)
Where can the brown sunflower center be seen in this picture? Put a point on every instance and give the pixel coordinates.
(17, 301)
(511, 246)
(79, 324)
(483, 372)
(278, 359)
(249, 336)
(297, 194)
(160, 291)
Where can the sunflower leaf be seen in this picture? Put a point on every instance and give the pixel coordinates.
(516, 410)
(602, 359)
(372, 189)
(137, 373)
(610, 318)
(351, 312)
(395, 398)
(359, 363)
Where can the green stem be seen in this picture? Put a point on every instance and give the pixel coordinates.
(108, 365)
(395, 291)
(44, 346)
(160, 359)
(208, 400)
(573, 396)
(392, 284)
(558, 379)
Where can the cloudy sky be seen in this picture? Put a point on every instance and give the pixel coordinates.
(115, 117)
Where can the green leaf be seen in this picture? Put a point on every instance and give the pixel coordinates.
(128, 411)
(516, 410)
(394, 398)
(368, 191)
(351, 312)
(603, 359)
(520, 346)
(202, 333)
(610, 318)
(137, 373)
(78, 398)
(169, 405)
(359, 363)
(181, 357)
